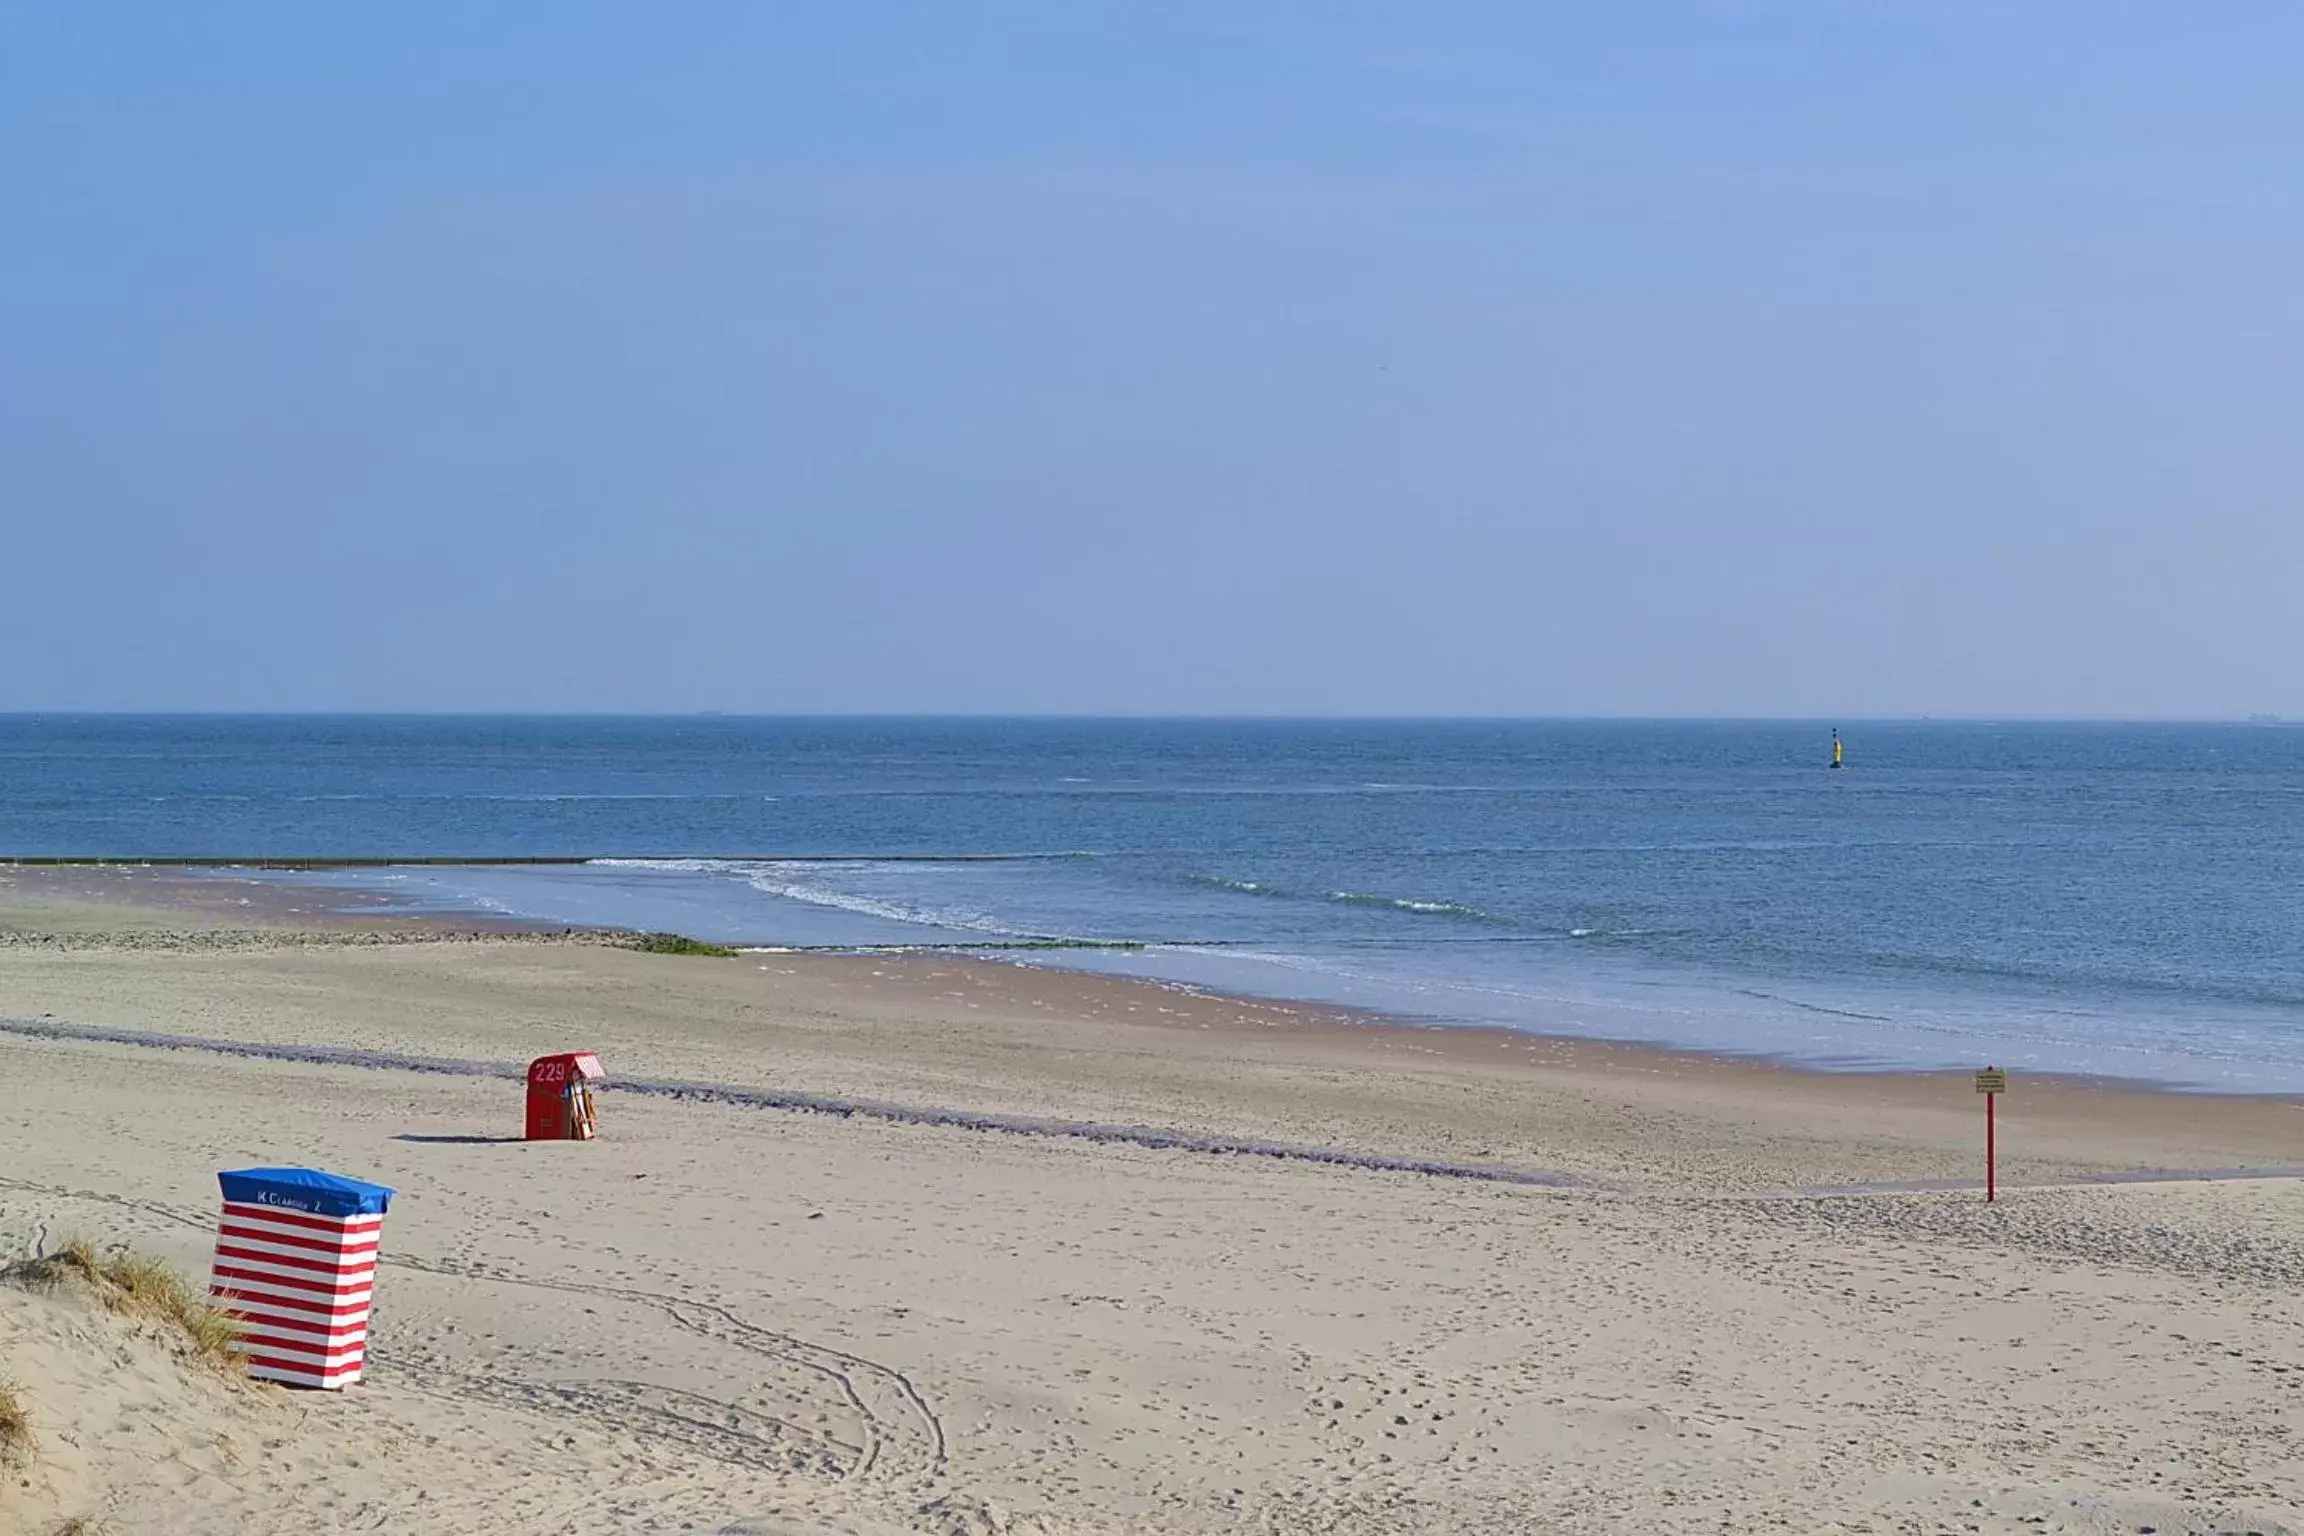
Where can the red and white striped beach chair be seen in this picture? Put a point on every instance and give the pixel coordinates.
(295, 1265)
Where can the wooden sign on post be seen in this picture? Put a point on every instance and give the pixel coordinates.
(1991, 1082)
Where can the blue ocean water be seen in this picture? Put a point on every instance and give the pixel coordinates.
(2123, 899)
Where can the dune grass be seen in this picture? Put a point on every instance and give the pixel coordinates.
(15, 1426)
(138, 1285)
(678, 944)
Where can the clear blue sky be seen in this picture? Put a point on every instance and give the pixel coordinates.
(1330, 358)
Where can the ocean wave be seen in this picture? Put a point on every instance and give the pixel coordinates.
(1417, 905)
(521, 797)
(1441, 993)
(1420, 907)
(685, 864)
(1793, 1002)
(1242, 887)
(787, 883)
(1141, 789)
(2095, 979)
(791, 880)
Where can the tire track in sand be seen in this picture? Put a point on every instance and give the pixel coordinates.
(901, 1439)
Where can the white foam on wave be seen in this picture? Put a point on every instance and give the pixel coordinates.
(803, 881)
(784, 881)
(1242, 887)
(1417, 905)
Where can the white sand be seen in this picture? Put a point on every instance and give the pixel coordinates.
(722, 1318)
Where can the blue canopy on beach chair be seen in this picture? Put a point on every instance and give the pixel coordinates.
(305, 1189)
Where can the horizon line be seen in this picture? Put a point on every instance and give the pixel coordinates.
(1240, 717)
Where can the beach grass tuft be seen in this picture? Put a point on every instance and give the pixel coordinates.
(678, 944)
(138, 1285)
(15, 1426)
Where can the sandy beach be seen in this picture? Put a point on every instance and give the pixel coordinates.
(1274, 770)
(1643, 1291)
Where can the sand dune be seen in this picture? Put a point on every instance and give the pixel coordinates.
(729, 1318)
(129, 1430)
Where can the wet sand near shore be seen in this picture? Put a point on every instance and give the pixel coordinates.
(1033, 1039)
(110, 899)
(725, 1317)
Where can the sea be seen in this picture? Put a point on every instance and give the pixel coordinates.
(2124, 900)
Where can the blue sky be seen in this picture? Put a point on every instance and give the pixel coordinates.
(1336, 358)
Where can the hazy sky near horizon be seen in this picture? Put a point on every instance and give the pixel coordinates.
(1744, 358)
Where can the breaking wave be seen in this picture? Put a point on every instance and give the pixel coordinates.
(1410, 904)
(1241, 887)
(801, 881)
(1421, 908)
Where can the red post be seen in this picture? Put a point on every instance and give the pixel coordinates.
(1991, 1152)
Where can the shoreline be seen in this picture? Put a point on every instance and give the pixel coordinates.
(1553, 984)
(910, 1245)
(2060, 1128)
(135, 906)
(1479, 1035)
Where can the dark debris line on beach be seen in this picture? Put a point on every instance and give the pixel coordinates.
(1154, 1137)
